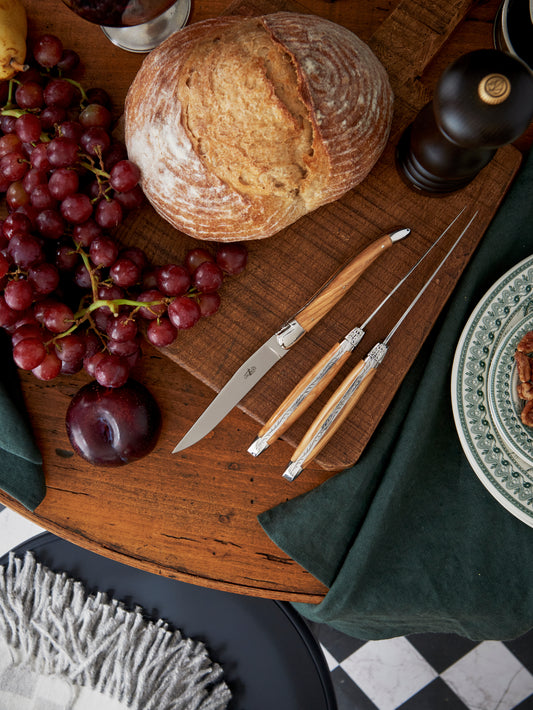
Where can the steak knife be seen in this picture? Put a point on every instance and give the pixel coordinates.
(278, 345)
(317, 379)
(351, 389)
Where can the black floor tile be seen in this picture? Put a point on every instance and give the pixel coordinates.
(526, 704)
(435, 696)
(522, 648)
(349, 695)
(441, 650)
(339, 645)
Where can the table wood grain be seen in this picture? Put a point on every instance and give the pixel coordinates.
(192, 516)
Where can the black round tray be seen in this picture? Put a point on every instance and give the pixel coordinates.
(269, 656)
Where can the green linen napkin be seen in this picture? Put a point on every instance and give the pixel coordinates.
(21, 473)
(409, 540)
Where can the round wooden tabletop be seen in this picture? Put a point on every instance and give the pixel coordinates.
(193, 515)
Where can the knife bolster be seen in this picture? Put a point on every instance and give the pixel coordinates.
(289, 334)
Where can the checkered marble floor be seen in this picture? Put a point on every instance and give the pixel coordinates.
(419, 672)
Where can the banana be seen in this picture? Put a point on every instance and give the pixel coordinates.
(13, 31)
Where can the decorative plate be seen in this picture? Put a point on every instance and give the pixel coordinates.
(504, 402)
(486, 407)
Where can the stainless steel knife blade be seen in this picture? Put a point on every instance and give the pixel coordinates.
(258, 364)
(246, 377)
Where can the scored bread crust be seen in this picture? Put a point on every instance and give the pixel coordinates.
(242, 125)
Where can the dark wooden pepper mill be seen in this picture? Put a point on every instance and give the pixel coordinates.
(483, 101)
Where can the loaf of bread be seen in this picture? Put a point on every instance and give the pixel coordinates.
(242, 125)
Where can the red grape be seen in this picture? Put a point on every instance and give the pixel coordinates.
(124, 176)
(112, 371)
(209, 303)
(63, 182)
(69, 60)
(29, 353)
(29, 95)
(195, 257)
(28, 330)
(62, 152)
(132, 199)
(44, 278)
(49, 368)
(16, 196)
(95, 141)
(173, 279)
(41, 198)
(16, 225)
(183, 312)
(95, 115)
(76, 208)
(9, 143)
(59, 92)
(122, 328)
(124, 272)
(19, 295)
(50, 224)
(208, 277)
(66, 258)
(58, 317)
(33, 178)
(71, 348)
(8, 316)
(28, 127)
(48, 50)
(153, 311)
(25, 251)
(13, 166)
(103, 251)
(161, 332)
(84, 233)
(232, 258)
(108, 213)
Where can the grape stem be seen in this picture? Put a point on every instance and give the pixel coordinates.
(91, 272)
(84, 314)
(113, 306)
(16, 112)
(84, 97)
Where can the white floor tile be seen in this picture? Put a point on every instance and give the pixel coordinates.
(332, 662)
(14, 530)
(489, 677)
(389, 671)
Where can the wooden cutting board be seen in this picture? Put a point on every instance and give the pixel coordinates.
(285, 270)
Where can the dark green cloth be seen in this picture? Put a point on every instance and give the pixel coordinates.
(21, 473)
(409, 540)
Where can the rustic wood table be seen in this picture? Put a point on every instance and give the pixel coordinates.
(193, 516)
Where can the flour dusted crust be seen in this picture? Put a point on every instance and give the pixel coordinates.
(242, 125)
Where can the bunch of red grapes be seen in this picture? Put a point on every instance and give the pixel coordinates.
(71, 296)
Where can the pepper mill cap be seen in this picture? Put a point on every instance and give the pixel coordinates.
(484, 99)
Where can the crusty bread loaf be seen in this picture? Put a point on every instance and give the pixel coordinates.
(242, 125)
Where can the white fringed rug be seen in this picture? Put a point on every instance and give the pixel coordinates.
(63, 649)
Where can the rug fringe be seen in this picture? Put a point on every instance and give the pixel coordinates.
(54, 626)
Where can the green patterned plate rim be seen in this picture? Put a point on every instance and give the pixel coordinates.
(498, 462)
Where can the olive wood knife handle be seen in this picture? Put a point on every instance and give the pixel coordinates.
(339, 284)
(335, 411)
(302, 396)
